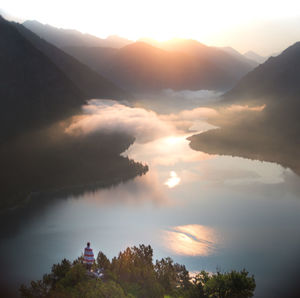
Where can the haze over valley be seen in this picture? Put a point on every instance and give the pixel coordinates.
(186, 142)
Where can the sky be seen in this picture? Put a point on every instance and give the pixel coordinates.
(263, 26)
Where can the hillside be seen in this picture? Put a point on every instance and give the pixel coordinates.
(231, 51)
(278, 77)
(90, 83)
(37, 102)
(97, 58)
(272, 134)
(255, 57)
(276, 84)
(33, 90)
(228, 61)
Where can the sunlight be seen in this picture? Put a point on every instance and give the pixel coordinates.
(240, 108)
(190, 240)
(170, 141)
(173, 180)
(211, 22)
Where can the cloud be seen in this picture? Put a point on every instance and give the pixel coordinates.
(199, 96)
(110, 116)
(194, 119)
(170, 101)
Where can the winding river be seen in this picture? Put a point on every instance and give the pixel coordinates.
(205, 211)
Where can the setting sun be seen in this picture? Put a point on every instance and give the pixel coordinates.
(218, 23)
(165, 130)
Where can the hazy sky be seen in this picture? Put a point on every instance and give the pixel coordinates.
(263, 26)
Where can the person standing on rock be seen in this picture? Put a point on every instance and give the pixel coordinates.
(88, 257)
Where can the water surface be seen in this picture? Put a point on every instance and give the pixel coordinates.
(205, 211)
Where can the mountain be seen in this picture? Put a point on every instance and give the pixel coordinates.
(275, 81)
(141, 67)
(33, 90)
(276, 84)
(90, 83)
(271, 134)
(36, 96)
(177, 64)
(255, 57)
(96, 58)
(70, 38)
(227, 58)
(231, 51)
(40, 83)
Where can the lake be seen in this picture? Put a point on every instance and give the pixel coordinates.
(205, 211)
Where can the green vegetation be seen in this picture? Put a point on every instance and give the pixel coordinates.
(133, 274)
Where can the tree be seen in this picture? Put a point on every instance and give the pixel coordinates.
(133, 274)
(232, 284)
(102, 261)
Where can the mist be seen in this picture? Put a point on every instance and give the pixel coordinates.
(108, 116)
(172, 101)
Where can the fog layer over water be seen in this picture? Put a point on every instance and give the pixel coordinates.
(205, 211)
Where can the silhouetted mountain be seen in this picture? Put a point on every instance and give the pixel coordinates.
(193, 66)
(36, 154)
(276, 81)
(33, 90)
(231, 51)
(115, 41)
(96, 58)
(140, 67)
(225, 60)
(272, 134)
(90, 83)
(70, 38)
(255, 57)
(276, 84)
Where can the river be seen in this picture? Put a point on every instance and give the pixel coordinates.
(205, 211)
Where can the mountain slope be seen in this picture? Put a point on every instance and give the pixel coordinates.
(272, 134)
(36, 153)
(70, 38)
(177, 64)
(33, 91)
(236, 67)
(91, 83)
(227, 59)
(278, 78)
(255, 57)
(96, 58)
(140, 67)
(231, 51)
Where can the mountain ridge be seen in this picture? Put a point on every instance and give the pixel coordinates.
(269, 134)
(33, 90)
(70, 37)
(91, 83)
(140, 67)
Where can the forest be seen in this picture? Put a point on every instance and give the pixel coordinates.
(134, 274)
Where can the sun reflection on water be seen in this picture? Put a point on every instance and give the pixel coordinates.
(173, 180)
(190, 240)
